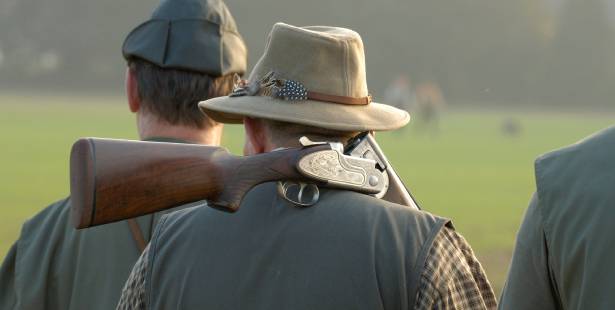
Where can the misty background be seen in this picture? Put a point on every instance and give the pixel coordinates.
(513, 79)
(492, 52)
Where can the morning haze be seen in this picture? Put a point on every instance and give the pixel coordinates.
(502, 52)
(490, 86)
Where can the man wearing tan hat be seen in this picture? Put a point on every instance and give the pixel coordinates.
(188, 50)
(347, 251)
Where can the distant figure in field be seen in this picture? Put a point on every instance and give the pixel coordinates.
(400, 94)
(511, 127)
(430, 103)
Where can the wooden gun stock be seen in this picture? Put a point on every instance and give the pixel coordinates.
(112, 180)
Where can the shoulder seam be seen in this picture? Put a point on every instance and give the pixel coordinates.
(422, 259)
(152, 256)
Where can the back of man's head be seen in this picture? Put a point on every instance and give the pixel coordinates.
(189, 50)
(172, 95)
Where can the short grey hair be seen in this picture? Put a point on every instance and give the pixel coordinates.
(288, 134)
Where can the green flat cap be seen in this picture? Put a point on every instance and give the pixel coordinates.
(192, 35)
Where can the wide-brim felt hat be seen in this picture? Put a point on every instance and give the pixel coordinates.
(311, 76)
(191, 35)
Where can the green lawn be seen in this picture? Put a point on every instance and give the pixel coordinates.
(468, 171)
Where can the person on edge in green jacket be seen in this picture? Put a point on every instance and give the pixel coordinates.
(187, 51)
(565, 249)
(348, 250)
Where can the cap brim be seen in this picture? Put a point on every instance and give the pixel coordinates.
(374, 116)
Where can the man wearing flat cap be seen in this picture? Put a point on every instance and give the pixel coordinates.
(187, 51)
(347, 251)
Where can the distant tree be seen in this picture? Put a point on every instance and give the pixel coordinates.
(579, 68)
(67, 43)
(495, 48)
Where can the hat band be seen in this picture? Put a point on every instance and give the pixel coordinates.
(290, 90)
(339, 99)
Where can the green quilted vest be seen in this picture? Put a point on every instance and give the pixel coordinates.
(349, 251)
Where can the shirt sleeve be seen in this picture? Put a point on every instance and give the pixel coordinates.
(453, 278)
(8, 292)
(529, 284)
(133, 293)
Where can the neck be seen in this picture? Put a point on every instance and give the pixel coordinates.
(152, 127)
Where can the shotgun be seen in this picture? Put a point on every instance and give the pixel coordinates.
(112, 180)
(364, 145)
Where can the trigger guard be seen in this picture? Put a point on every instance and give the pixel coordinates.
(284, 186)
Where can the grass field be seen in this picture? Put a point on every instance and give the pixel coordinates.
(469, 171)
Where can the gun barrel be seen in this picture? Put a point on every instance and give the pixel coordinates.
(397, 191)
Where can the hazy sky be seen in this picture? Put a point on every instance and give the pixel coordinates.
(557, 4)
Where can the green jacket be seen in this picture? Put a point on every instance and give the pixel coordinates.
(53, 266)
(565, 249)
(349, 251)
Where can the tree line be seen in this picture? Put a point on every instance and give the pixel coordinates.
(502, 52)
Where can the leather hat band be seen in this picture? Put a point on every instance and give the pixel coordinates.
(339, 99)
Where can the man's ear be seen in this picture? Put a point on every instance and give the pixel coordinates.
(132, 91)
(256, 136)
